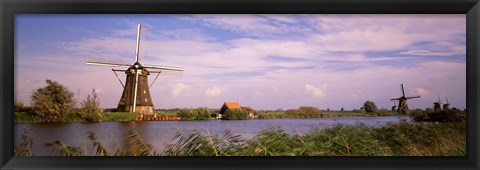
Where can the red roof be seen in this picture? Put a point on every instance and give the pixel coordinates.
(232, 105)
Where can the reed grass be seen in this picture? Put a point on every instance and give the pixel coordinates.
(403, 139)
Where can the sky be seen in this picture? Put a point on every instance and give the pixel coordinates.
(261, 61)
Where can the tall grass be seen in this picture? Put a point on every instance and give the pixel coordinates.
(427, 139)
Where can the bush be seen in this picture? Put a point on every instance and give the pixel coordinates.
(203, 114)
(370, 107)
(194, 114)
(90, 109)
(452, 115)
(235, 114)
(186, 114)
(52, 102)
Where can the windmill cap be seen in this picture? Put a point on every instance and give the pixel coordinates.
(137, 65)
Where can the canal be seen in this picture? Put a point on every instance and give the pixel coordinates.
(160, 133)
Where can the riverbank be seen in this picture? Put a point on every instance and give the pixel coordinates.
(25, 117)
(402, 139)
(196, 114)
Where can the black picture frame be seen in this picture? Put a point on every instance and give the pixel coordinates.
(9, 8)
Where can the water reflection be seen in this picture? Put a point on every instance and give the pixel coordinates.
(113, 135)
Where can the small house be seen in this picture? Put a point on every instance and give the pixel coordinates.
(229, 105)
(250, 112)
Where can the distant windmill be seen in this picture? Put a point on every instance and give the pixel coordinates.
(446, 105)
(394, 107)
(136, 92)
(439, 105)
(402, 102)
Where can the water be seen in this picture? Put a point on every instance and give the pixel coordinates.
(160, 133)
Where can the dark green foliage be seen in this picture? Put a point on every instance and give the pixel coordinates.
(52, 102)
(451, 115)
(90, 109)
(201, 113)
(235, 114)
(186, 114)
(25, 117)
(370, 107)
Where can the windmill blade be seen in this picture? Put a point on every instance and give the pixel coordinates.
(395, 99)
(446, 100)
(403, 90)
(138, 43)
(108, 64)
(413, 97)
(135, 93)
(164, 67)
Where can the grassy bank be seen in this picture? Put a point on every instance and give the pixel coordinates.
(25, 117)
(321, 114)
(431, 139)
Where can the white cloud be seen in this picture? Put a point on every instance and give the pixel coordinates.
(179, 88)
(426, 53)
(315, 91)
(422, 91)
(213, 91)
(259, 25)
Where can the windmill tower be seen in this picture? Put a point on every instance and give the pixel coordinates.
(394, 107)
(402, 102)
(437, 106)
(136, 92)
(446, 106)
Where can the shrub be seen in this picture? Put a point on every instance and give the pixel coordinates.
(451, 115)
(203, 114)
(370, 107)
(52, 102)
(194, 114)
(235, 114)
(91, 108)
(186, 114)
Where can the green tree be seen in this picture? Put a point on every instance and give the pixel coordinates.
(52, 102)
(235, 114)
(370, 107)
(91, 108)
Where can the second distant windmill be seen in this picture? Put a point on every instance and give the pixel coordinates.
(402, 102)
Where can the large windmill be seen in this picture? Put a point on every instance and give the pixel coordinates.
(402, 102)
(136, 92)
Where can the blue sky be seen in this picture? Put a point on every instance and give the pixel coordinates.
(263, 61)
